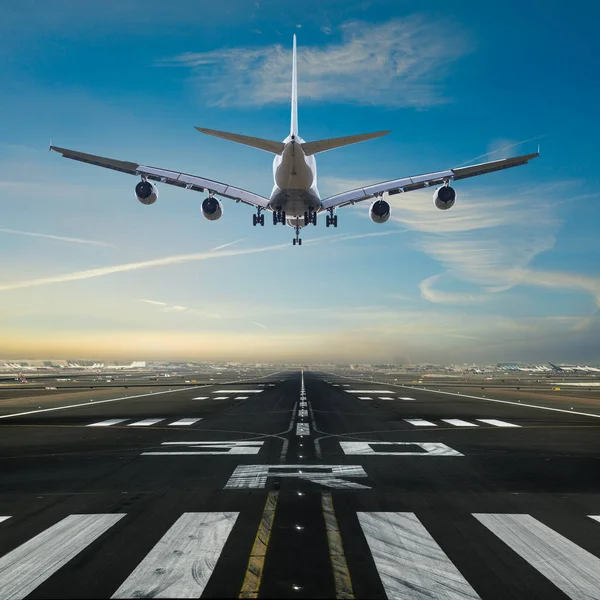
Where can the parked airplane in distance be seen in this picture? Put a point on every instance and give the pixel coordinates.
(295, 199)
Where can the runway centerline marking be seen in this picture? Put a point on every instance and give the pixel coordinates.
(32, 563)
(302, 429)
(410, 562)
(96, 402)
(181, 563)
(575, 571)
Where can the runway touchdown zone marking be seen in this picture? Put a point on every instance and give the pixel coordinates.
(182, 422)
(210, 448)
(427, 449)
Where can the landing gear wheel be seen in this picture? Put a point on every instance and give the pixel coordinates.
(282, 217)
(334, 220)
(294, 241)
(314, 218)
(275, 217)
(254, 220)
(262, 220)
(327, 221)
(307, 219)
(299, 242)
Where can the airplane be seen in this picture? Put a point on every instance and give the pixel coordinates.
(295, 199)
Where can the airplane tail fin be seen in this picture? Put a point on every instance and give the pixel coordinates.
(323, 145)
(294, 120)
(267, 145)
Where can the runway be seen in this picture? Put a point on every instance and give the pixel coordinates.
(300, 485)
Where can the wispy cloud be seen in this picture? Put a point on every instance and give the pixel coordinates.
(155, 302)
(401, 63)
(58, 238)
(259, 324)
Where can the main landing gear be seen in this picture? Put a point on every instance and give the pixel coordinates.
(278, 217)
(297, 239)
(331, 219)
(258, 219)
(310, 217)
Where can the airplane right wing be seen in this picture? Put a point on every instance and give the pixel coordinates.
(408, 184)
(182, 180)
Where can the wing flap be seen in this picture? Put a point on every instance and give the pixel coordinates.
(182, 180)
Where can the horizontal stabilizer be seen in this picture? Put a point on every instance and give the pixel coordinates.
(267, 145)
(322, 145)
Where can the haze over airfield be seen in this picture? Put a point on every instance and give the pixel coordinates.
(510, 273)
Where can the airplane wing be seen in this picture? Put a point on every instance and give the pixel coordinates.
(408, 184)
(182, 180)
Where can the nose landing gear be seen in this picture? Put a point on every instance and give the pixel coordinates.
(297, 239)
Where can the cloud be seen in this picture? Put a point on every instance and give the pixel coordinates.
(153, 302)
(402, 63)
(259, 324)
(58, 238)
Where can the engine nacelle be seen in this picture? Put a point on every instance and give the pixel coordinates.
(146, 193)
(444, 197)
(212, 209)
(380, 211)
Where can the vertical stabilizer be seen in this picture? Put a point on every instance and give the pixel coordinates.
(294, 124)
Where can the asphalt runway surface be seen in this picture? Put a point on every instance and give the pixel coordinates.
(299, 485)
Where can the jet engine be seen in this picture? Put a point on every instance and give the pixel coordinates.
(444, 197)
(146, 193)
(212, 209)
(380, 211)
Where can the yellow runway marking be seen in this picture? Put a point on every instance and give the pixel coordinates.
(341, 575)
(256, 564)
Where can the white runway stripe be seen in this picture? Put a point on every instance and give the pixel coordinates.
(107, 423)
(185, 422)
(145, 423)
(237, 391)
(201, 398)
(29, 565)
(406, 398)
(570, 568)
(460, 423)
(241, 398)
(420, 423)
(385, 398)
(4, 518)
(595, 517)
(497, 423)
(412, 566)
(365, 398)
(220, 397)
(369, 391)
(181, 563)
(302, 429)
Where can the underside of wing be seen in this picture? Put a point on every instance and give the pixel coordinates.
(182, 180)
(408, 184)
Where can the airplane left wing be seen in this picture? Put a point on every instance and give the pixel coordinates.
(182, 180)
(408, 184)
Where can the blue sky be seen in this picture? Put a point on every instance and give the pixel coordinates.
(510, 273)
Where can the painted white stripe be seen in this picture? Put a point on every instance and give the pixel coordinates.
(145, 423)
(369, 391)
(365, 398)
(237, 391)
(303, 413)
(4, 518)
(241, 398)
(184, 422)
(201, 398)
(221, 398)
(106, 423)
(420, 423)
(96, 402)
(411, 564)
(460, 423)
(595, 517)
(29, 565)
(181, 564)
(521, 404)
(406, 398)
(385, 398)
(497, 423)
(302, 429)
(366, 449)
(570, 568)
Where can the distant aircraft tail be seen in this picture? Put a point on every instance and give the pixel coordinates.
(294, 120)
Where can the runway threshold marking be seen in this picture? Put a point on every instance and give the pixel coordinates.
(428, 449)
(32, 563)
(497, 423)
(420, 423)
(341, 574)
(145, 423)
(181, 563)
(94, 403)
(106, 423)
(184, 422)
(573, 570)
(459, 423)
(4, 518)
(256, 562)
(410, 562)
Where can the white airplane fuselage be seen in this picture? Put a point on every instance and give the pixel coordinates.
(295, 175)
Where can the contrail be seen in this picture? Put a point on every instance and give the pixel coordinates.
(58, 238)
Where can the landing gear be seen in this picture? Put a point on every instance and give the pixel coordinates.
(297, 239)
(310, 217)
(279, 217)
(331, 219)
(258, 219)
